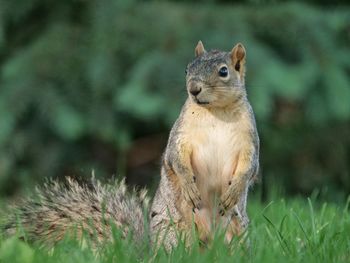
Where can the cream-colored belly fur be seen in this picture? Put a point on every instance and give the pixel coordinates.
(216, 145)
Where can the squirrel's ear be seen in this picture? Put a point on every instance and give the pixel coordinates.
(238, 56)
(199, 50)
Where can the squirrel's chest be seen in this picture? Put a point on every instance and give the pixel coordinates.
(216, 146)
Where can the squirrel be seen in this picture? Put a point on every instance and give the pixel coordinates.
(210, 161)
(212, 155)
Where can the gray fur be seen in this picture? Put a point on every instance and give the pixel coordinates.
(75, 209)
(164, 217)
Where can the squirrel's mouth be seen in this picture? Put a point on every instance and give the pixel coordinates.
(200, 102)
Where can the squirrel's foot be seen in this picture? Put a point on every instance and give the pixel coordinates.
(202, 221)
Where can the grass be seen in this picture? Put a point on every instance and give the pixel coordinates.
(285, 230)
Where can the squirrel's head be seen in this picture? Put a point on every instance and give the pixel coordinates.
(216, 78)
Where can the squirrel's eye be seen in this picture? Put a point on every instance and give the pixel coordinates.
(186, 71)
(223, 71)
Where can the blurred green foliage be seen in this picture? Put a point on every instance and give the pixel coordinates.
(82, 80)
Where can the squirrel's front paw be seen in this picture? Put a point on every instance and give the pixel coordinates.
(229, 198)
(192, 195)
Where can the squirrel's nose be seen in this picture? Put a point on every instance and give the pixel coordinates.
(195, 90)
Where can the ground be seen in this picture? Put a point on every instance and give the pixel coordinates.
(282, 230)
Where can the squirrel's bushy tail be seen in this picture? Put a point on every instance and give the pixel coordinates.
(59, 209)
